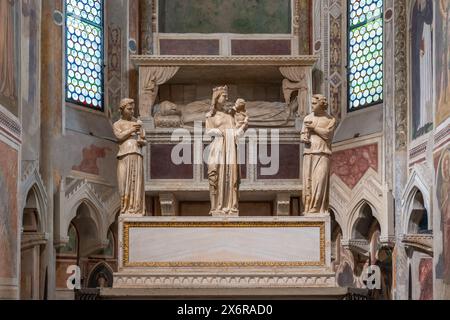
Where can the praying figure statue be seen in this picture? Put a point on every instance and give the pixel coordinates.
(223, 168)
(317, 135)
(130, 166)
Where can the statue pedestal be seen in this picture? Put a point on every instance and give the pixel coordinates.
(224, 253)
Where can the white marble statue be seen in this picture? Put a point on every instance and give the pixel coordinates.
(223, 168)
(317, 135)
(130, 166)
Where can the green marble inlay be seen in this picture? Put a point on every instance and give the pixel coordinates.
(225, 16)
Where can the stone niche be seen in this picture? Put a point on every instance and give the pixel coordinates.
(174, 96)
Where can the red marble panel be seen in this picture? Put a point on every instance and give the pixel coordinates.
(162, 166)
(189, 46)
(260, 47)
(90, 156)
(201, 208)
(351, 165)
(242, 167)
(9, 217)
(289, 166)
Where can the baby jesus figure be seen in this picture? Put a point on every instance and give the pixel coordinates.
(240, 116)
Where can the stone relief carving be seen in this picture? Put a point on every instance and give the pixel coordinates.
(400, 75)
(130, 166)
(260, 113)
(225, 127)
(167, 115)
(317, 135)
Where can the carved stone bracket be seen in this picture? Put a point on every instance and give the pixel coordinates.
(283, 204)
(169, 204)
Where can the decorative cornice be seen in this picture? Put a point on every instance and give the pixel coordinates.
(30, 240)
(442, 134)
(359, 246)
(419, 241)
(133, 280)
(148, 60)
(418, 150)
(10, 126)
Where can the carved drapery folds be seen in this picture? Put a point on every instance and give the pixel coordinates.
(150, 78)
(297, 79)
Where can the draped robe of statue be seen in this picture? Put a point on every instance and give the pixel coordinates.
(223, 169)
(317, 163)
(130, 169)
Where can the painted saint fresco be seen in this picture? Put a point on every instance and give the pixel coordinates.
(443, 195)
(7, 54)
(442, 60)
(426, 279)
(422, 67)
(8, 211)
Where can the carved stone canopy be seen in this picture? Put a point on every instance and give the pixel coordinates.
(215, 70)
(224, 69)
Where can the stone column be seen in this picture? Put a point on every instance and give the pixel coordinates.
(397, 171)
(51, 120)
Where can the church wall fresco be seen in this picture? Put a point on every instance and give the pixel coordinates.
(426, 279)
(9, 211)
(421, 42)
(30, 75)
(442, 60)
(204, 16)
(89, 163)
(8, 56)
(443, 206)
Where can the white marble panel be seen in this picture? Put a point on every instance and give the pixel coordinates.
(299, 244)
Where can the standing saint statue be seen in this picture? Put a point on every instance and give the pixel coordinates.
(130, 167)
(223, 168)
(317, 135)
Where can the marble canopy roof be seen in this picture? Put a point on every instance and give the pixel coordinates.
(227, 69)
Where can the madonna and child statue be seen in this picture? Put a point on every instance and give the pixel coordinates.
(225, 126)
